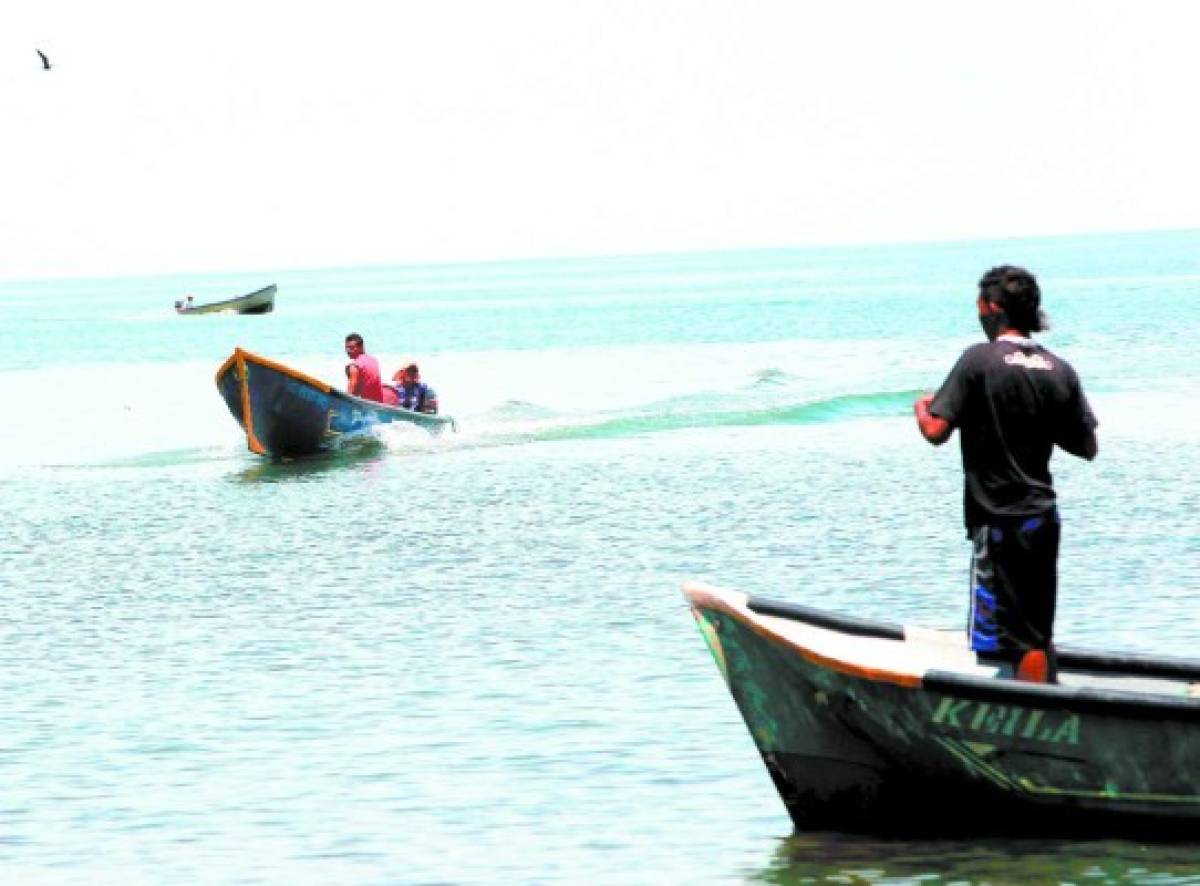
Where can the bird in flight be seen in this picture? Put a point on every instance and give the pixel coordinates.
(45, 61)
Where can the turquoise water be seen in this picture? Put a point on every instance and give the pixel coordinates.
(466, 658)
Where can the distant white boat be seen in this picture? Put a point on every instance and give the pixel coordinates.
(261, 301)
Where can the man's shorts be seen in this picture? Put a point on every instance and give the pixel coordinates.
(1014, 584)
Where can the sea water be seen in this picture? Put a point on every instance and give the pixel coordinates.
(466, 658)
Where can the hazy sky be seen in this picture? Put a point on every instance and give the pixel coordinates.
(216, 135)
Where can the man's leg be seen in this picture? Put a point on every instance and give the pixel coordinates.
(983, 630)
(1013, 592)
(1024, 554)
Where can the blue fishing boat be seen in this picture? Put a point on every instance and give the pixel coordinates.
(286, 413)
(873, 727)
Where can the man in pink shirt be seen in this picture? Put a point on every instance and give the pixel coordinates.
(363, 372)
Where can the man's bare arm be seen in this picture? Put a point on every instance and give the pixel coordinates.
(933, 428)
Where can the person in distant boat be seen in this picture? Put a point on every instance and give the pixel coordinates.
(178, 304)
(1012, 401)
(411, 392)
(363, 372)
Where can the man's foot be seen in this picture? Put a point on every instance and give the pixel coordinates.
(1034, 667)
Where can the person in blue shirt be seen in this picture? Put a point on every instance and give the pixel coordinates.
(411, 392)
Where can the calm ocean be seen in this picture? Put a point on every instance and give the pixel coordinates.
(466, 658)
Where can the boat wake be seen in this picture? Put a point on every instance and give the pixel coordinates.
(149, 442)
(664, 418)
(519, 423)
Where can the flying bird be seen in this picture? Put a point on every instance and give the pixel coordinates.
(45, 61)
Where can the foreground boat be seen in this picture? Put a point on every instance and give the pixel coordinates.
(286, 413)
(261, 301)
(878, 728)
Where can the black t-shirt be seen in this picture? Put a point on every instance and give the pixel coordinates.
(1012, 401)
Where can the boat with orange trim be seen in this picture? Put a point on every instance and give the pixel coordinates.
(286, 413)
(261, 301)
(877, 728)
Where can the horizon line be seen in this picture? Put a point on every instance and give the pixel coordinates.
(596, 256)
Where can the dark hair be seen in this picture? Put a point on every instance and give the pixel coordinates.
(356, 338)
(1016, 292)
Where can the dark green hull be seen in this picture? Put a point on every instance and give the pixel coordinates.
(863, 728)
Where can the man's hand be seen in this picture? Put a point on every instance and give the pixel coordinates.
(934, 429)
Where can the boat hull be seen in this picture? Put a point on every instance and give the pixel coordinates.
(873, 743)
(261, 301)
(287, 414)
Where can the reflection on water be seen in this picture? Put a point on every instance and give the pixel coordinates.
(358, 454)
(841, 858)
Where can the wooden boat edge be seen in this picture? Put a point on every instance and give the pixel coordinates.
(735, 605)
(250, 357)
(980, 682)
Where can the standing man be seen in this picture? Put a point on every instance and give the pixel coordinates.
(1012, 402)
(363, 371)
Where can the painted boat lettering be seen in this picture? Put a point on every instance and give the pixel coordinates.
(1010, 720)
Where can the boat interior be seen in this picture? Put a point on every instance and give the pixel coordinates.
(913, 652)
